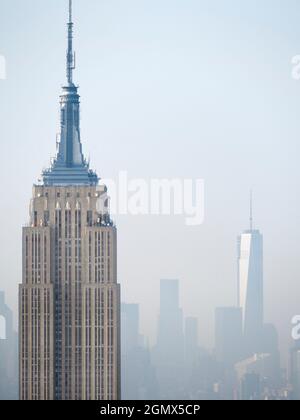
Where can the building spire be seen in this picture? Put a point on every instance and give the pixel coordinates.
(70, 53)
(70, 11)
(69, 167)
(251, 210)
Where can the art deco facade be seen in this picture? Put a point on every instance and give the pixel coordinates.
(69, 300)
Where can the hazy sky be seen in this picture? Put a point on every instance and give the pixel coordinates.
(169, 88)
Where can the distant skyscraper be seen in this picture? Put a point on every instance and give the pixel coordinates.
(228, 335)
(250, 285)
(295, 370)
(170, 326)
(250, 387)
(269, 344)
(191, 358)
(130, 319)
(69, 300)
(138, 377)
(129, 351)
(253, 372)
(191, 349)
(169, 350)
(8, 353)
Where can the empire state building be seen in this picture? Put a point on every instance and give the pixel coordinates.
(69, 299)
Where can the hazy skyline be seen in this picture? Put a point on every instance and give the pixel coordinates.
(170, 89)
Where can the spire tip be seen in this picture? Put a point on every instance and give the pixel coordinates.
(70, 53)
(251, 210)
(70, 11)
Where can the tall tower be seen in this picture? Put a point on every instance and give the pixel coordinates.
(8, 353)
(69, 299)
(250, 285)
(169, 349)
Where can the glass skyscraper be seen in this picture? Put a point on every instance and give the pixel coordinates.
(250, 286)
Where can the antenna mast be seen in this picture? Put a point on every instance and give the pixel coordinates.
(70, 53)
(251, 210)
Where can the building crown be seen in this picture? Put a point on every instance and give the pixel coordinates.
(69, 166)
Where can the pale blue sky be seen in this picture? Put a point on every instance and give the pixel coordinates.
(173, 88)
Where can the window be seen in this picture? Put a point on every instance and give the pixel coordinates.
(89, 218)
(35, 219)
(46, 217)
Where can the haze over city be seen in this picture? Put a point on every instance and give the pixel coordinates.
(169, 89)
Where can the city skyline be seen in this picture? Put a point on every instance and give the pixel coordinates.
(277, 207)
